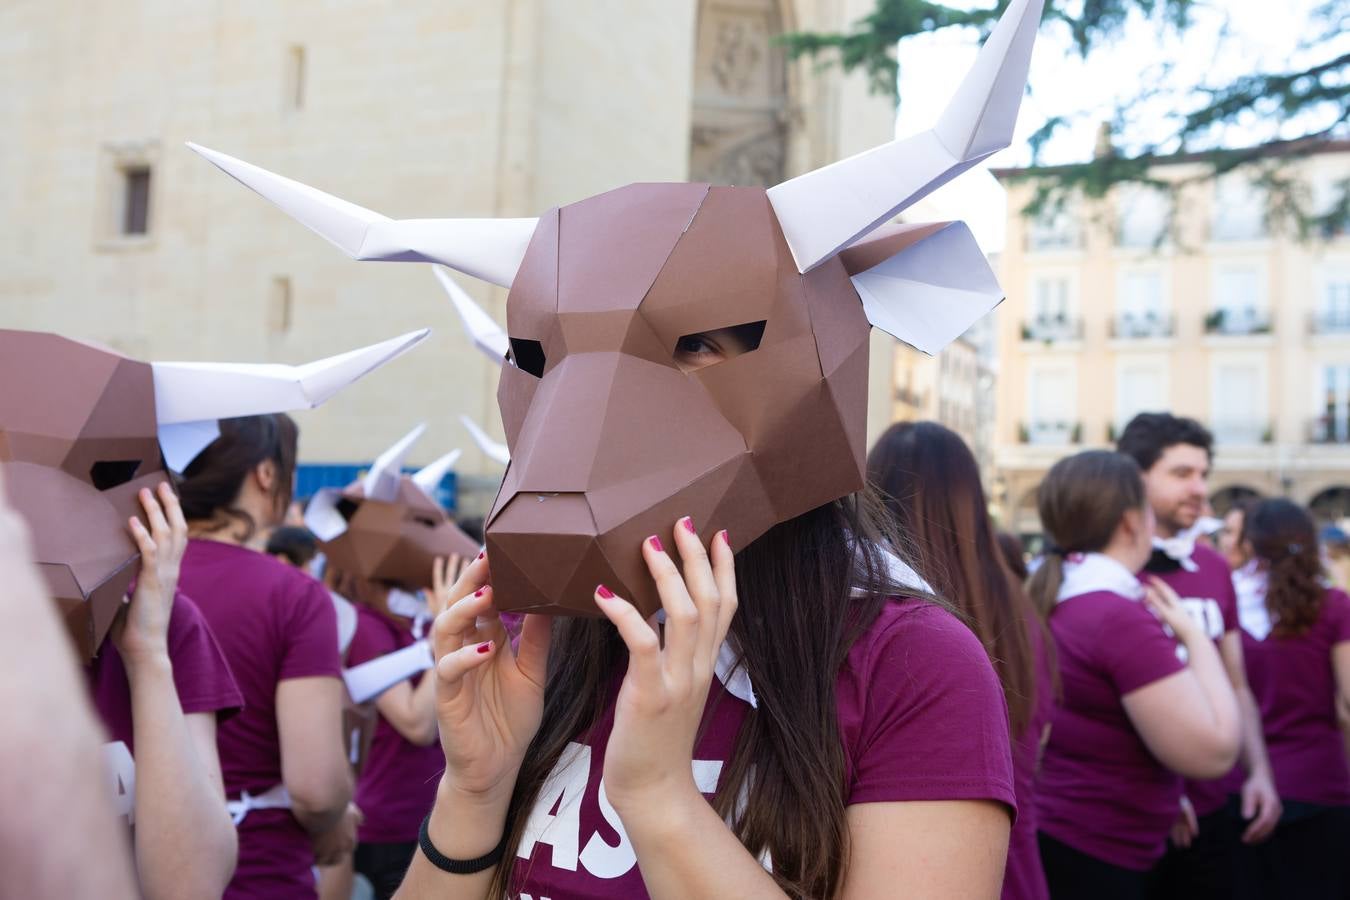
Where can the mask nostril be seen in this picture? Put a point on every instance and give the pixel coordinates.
(109, 473)
(527, 356)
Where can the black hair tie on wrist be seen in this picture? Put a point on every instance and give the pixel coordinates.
(458, 866)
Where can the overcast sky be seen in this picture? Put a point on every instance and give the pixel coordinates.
(1229, 38)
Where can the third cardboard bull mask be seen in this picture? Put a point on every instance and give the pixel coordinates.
(387, 527)
(83, 429)
(610, 440)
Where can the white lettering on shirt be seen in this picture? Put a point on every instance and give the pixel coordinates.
(1205, 613)
(120, 770)
(565, 787)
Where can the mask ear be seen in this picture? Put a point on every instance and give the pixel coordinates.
(322, 517)
(924, 284)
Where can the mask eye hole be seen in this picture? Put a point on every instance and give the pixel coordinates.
(708, 348)
(424, 521)
(109, 473)
(527, 356)
(347, 508)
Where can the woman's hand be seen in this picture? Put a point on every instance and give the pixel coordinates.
(489, 699)
(141, 632)
(1165, 602)
(445, 571)
(660, 705)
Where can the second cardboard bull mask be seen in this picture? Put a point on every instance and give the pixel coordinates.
(83, 429)
(387, 527)
(610, 440)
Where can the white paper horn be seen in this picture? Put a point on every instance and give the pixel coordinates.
(491, 449)
(429, 477)
(823, 211)
(381, 479)
(482, 329)
(490, 249)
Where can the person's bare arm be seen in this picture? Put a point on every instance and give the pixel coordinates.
(411, 710)
(1340, 663)
(953, 849)
(1189, 719)
(314, 766)
(185, 843)
(53, 796)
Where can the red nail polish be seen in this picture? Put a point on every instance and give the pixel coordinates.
(604, 592)
(656, 543)
(689, 525)
(485, 647)
(726, 539)
(482, 553)
(479, 592)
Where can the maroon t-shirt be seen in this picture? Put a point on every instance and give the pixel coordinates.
(1024, 878)
(274, 622)
(1101, 791)
(201, 677)
(398, 784)
(1209, 597)
(920, 712)
(1295, 686)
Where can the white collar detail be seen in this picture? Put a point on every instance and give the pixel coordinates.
(1249, 583)
(1085, 573)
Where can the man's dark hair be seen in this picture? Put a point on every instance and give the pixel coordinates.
(1149, 434)
(297, 544)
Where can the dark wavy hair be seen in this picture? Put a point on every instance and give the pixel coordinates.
(808, 588)
(1149, 434)
(1283, 536)
(211, 482)
(930, 483)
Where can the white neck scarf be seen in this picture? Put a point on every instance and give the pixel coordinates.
(1085, 573)
(1181, 546)
(409, 606)
(1250, 582)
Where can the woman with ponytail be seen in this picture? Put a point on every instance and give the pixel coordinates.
(1296, 637)
(1139, 706)
(286, 773)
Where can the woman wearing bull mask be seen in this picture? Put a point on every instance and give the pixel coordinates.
(825, 769)
(286, 772)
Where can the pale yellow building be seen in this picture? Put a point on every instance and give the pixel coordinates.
(1112, 311)
(113, 231)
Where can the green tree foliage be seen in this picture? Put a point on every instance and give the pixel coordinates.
(1317, 95)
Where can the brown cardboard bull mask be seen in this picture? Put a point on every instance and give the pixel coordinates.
(610, 440)
(83, 429)
(386, 527)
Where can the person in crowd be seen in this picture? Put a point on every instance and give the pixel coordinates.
(1296, 634)
(294, 545)
(53, 791)
(1134, 711)
(1175, 454)
(1229, 538)
(1336, 555)
(283, 758)
(398, 779)
(161, 685)
(836, 759)
(930, 484)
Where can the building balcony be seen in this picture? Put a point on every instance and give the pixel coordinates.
(908, 396)
(1244, 432)
(1237, 322)
(1050, 433)
(1130, 326)
(1329, 323)
(1329, 430)
(1049, 330)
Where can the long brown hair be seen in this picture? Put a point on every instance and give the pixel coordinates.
(211, 482)
(1081, 502)
(808, 588)
(1284, 538)
(930, 483)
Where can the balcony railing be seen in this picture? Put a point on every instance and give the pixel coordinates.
(1150, 325)
(1330, 323)
(1050, 433)
(1227, 321)
(1329, 430)
(1245, 432)
(1048, 329)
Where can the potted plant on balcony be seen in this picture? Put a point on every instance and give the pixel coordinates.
(1214, 322)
